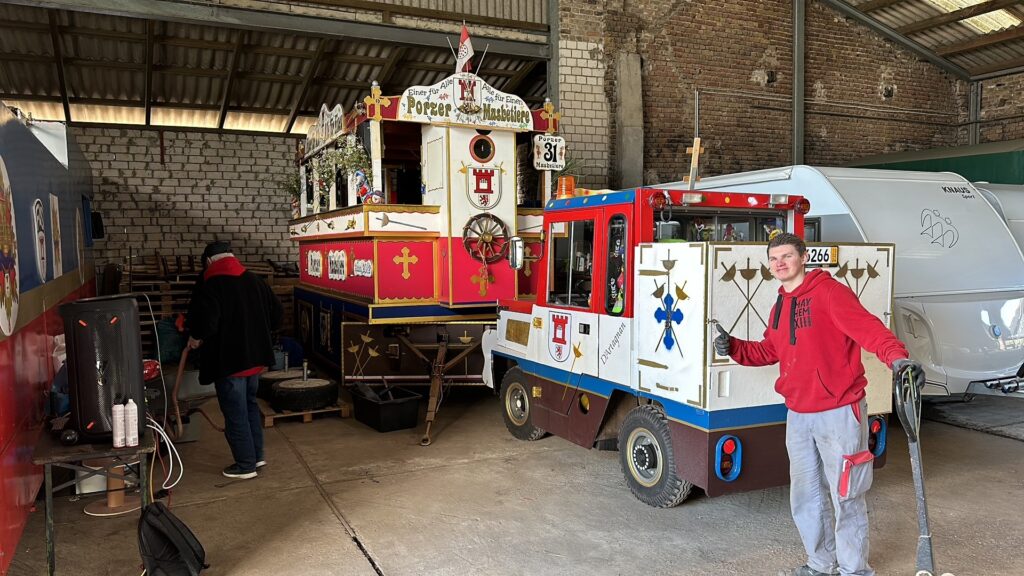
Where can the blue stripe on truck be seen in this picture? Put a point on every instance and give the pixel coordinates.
(690, 415)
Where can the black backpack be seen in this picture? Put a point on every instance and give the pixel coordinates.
(167, 546)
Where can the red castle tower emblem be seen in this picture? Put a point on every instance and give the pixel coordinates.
(560, 327)
(484, 189)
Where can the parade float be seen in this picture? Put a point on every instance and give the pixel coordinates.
(407, 204)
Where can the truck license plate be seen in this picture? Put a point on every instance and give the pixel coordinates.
(822, 255)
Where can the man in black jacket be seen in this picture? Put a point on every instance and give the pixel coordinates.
(231, 316)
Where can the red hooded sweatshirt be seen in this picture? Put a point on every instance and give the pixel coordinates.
(815, 333)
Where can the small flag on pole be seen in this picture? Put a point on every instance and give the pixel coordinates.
(465, 52)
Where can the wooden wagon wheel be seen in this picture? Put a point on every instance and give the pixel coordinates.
(485, 237)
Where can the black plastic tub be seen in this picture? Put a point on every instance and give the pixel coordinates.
(395, 411)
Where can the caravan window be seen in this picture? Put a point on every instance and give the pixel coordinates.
(571, 258)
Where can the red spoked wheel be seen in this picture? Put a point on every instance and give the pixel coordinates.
(485, 237)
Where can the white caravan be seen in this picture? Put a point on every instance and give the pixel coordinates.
(959, 286)
(1008, 200)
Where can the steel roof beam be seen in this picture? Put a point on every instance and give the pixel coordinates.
(236, 57)
(147, 94)
(307, 81)
(215, 15)
(897, 38)
(521, 75)
(981, 41)
(57, 55)
(956, 16)
(876, 5)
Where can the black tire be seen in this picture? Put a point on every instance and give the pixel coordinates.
(268, 379)
(648, 458)
(302, 395)
(516, 406)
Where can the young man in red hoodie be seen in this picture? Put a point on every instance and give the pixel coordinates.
(816, 330)
(231, 317)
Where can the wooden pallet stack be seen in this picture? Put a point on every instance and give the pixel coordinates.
(168, 281)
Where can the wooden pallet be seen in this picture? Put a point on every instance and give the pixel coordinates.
(342, 409)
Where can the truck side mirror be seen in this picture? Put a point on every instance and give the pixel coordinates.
(516, 253)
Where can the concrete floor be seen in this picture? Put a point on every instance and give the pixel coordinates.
(338, 498)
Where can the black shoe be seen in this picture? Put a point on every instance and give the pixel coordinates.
(806, 570)
(235, 471)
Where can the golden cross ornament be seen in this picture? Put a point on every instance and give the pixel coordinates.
(404, 261)
(376, 101)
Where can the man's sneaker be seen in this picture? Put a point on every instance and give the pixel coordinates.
(235, 471)
(806, 570)
(261, 463)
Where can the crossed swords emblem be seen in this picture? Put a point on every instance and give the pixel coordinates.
(846, 272)
(748, 274)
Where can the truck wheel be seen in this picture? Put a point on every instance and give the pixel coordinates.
(516, 406)
(648, 458)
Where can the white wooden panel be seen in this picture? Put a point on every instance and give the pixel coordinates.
(668, 307)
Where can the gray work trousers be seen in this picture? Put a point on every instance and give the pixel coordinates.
(830, 470)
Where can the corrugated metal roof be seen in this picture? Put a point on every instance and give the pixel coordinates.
(105, 68)
(991, 58)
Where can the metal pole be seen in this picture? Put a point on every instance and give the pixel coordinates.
(799, 19)
(974, 114)
(51, 569)
(553, 31)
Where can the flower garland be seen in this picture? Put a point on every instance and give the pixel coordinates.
(350, 158)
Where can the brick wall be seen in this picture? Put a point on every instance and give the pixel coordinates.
(1002, 109)
(205, 186)
(864, 95)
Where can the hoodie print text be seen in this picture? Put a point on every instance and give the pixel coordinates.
(802, 315)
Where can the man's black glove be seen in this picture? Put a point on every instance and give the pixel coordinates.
(722, 346)
(916, 370)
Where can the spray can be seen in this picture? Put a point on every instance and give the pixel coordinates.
(305, 370)
(118, 416)
(286, 361)
(131, 423)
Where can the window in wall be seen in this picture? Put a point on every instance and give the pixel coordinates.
(615, 295)
(571, 257)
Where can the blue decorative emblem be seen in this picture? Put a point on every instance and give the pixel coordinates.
(668, 314)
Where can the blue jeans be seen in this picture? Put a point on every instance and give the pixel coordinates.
(243, 426)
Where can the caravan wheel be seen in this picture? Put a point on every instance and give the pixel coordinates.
(516, 405)
(648, 458)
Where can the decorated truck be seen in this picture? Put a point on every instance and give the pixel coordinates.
(406, 206)
(616, 349)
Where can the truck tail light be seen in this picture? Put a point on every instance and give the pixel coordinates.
(728, 458)
(878, 430)
(803, 206)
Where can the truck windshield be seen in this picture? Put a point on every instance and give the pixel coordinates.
(571, 259)
(717, 227)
